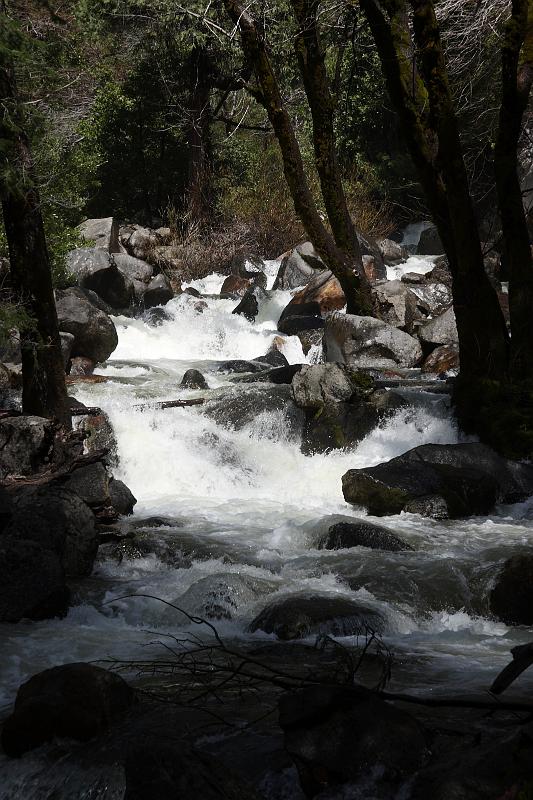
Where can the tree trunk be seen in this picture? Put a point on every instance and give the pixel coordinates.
(44, 392)
(269, 96)
(517, 78)
(425, 108)
(316, 83)
(198, 200)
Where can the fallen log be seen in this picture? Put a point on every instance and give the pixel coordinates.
(86, 411)
(197, 401)
(522, 659)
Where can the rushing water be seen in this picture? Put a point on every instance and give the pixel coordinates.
(245, 507)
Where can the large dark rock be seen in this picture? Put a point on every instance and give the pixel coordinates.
(99, 435)
(95, 335)
(302, 615)
(158, 292)
(315, 385)
(95, 269)
(337, 735)
(237, 408)
(298, 267)
(511, 599)
(25, 442)
(441, 481)
(430, 243)
(193, 379)
(392, 252)
(251, 302)
(91, 484)
(323, 289)
(163, 771)
(368, 343)
(58, 520)
(122, 499)
(361, 534)
(32, 581)
(235, 285)
(77, 701)
(442, 360)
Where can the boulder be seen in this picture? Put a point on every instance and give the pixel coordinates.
(440, 481)
(167, 771)
(339, 425)
(439, 331)
(430, 243)
(122, 499)
(315, 385)
(309, 339)
(301, 615)
(442, 360)
(397, 305)
(25, 442)
(340, 734)
(104, 233)
(392, 252)
(238, 365)
(32, 581)
(156, 316)
(511, 599)
(193, 379)
(375, 270)
(99, 435)
(91, 484)
(251, 302)
(236, 408)
(274, 357)
(138, 241)
(158, 292)
(298, 267)
(368, 343)
(235, 284)
(134, 269)
(361, 534)
(77, 701)
(96, 270)
(57, 520)
(300, 317)
(95, 335)
(323, 289)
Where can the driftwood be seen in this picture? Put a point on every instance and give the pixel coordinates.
(86, 411)
(197, 401)
(522, 659)
(15, 482)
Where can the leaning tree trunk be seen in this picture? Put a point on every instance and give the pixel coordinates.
(316, 83)
(44, 392)
(429, 122)
(517, 79)
(269, 95)
(198, 193)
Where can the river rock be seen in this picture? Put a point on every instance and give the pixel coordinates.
(511, 599)
(32, 581)
(67, 340)
(236, 408)
(309, 339)
(300, 317)
(155, 317)
(193, 379)
(430, 243)
(81, 366)
(300, 615)
(442, 360)
(251, 302)
(58, 520)
(392, 252)
(122, 499)
(397, 305)
(441, 481)
(439, 331)
(166, 771)
(25, 442)
(158, 292)
(368, 343)
(235, 284)
(104, 233)
(222, 596)
(338, 734)
(96, 270)
(95, 335)
(315, 385)
(99, 435)
(139, 242)
(91, 483)
(77, 701)
(134, 269)
(361, 534)
(339, 426)
(298, 267)
(323, 289)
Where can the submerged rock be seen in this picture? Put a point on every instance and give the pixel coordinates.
(221, 596)
(441, 481)
(337, 735)
(193, 379)
(511, 599)
(299, 615)
(237, 408)
(78, 701)
(361, 534)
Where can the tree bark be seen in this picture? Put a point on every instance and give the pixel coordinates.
(424, 105)
(321, 102)
(269, 96)
(198, 200)
(517, 79)
(44, 392)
